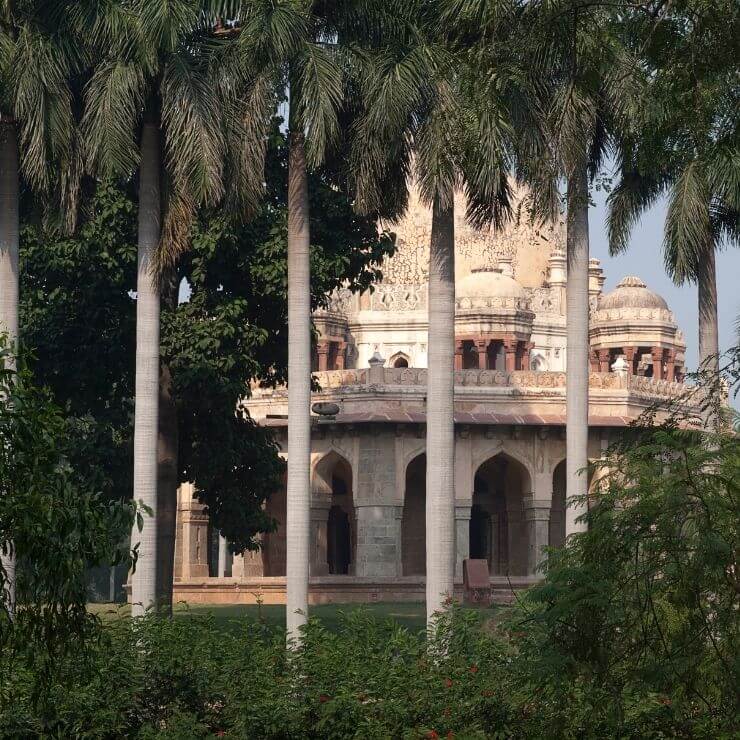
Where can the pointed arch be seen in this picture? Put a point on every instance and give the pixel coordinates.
(400, 359)
(413, 519)
(332, 486)
(498, 531)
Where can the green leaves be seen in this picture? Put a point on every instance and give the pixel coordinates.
(56, 524)
(637, 617)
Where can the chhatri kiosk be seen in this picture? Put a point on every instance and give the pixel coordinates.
(368, 463)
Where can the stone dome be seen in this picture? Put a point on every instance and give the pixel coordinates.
(631, 292)
(487, 282)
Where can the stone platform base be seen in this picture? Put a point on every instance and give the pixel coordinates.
(327, 590)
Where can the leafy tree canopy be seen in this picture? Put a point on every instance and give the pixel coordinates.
(55, 521)
(78, 313)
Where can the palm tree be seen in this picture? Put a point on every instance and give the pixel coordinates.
(584, 77)
(38, 59)
(157, 106)
(680, 140)
(434, 118)
(304, 49)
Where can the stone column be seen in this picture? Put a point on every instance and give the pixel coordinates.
(593, 356)
(322, 349)
(510, 350)
(604, 356)
(537, 518)
(378, 506)
(194, 544)
(462, 538)
(515, 540)
(458, 355)
(657, 353)
(341, 355)
(319, 565)
(481, 346)
(629, 357)
(528, 347)
(378, 541)
(252, 566)
(223, 551)
(670, 364)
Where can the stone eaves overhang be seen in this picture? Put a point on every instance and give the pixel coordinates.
(482, 419)
(483, 398)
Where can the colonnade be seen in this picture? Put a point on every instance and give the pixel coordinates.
(503, 520)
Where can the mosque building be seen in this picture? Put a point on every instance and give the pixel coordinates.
(368, 467)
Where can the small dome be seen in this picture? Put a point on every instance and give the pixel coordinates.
(631, 292)
(486, 282)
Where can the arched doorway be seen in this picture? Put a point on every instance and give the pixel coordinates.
(333, 530)
(341, 522)
(413, 521)
(497, 527)
(557, 510)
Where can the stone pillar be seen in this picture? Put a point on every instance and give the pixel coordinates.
(670, 364)
(341, 355)
(378, 541)
(481, 346)
(510, 350)
(604, 355)
(322, 349)
(223, 552)
(657, 353)
(376, 374)
(462, 538)
(537, 518)
(629, 357)
(458, 355)
(528, 347)
(515, 540)
(252, 566)
(593, 356)
(319, 566)
(194, 546)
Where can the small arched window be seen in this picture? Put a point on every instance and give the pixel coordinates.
(401, 361)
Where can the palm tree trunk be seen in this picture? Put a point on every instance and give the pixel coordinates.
(9, 285)
(708, 324)
(299, 389)
(144, 582)
(167, 458)
(576, 389)
(167, 483)
(440, 485)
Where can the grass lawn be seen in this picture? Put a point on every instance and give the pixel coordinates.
(406, 614)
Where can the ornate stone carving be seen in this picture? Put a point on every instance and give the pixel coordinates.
(526, 245)
(398, 297)
(496, 301)
(544, 300)
(661, 315)
(339, 301)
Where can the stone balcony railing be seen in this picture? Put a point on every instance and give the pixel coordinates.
(353, 381)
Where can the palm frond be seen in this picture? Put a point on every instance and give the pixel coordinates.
(688, 230)
(632, 196)
(192, 119)
(317, 90)
(114, 104)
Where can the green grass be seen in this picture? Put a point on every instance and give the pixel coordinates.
(406, 614)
